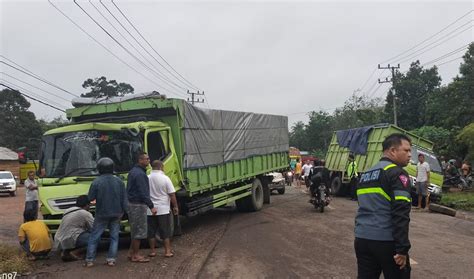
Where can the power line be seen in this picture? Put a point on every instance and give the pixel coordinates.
(375, 83)
(449, 61)
(160, 74)
(194, 87)
(106, 49)
(3, 73)
(411, 56)
(447, 55)
(31, 74)
(427, 39)
(124, 48)
(376, 89)
(131, 35)
(365, 83)
(32, 98)
(9, 83)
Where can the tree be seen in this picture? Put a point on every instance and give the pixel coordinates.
(443, 139)
(466, 137)
(18, 125)
(319, 132)
(53, 124)
(452, 104)
(298, 135)
(358, 111)
(100, 87)
(412, 91)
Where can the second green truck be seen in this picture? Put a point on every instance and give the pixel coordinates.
(366, 144)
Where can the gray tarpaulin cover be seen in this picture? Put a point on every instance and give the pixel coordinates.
(216, 136)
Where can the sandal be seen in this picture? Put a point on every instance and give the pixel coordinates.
(152, 254)
(169, 255)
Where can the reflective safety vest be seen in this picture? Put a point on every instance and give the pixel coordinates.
(384, 199)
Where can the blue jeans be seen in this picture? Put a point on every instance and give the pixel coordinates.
(100, 224)
(26, 247)
(83, 239)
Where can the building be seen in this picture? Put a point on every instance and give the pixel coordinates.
(9, 161)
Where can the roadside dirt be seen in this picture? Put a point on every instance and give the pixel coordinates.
(287, 239)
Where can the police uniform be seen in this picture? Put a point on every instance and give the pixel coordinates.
(382, 220)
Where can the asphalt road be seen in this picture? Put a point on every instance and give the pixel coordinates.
(287, 239)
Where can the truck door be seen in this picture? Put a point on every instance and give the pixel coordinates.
(158, 145)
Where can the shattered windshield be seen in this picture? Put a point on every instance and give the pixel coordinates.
(76, 153)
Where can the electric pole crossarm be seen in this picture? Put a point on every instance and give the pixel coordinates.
(197, 100)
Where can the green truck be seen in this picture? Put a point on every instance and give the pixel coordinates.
(213, 157)
(366, 144)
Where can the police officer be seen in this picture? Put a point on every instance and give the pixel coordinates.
(352, 173)
(382, 220)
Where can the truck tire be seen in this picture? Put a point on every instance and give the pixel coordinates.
(281, 191)
(12, 194)
(254, 202)
(336, 186)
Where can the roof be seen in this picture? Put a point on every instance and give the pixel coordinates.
(7, 154)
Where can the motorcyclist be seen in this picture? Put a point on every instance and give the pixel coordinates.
(451, 170)
(319, 174)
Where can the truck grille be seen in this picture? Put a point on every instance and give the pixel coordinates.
(63, 203)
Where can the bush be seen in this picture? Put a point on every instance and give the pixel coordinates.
(459, 200)
(12, 260)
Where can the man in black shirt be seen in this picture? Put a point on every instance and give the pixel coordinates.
(138, 192)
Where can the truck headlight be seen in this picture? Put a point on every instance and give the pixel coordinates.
(11, 183)
(436, 189)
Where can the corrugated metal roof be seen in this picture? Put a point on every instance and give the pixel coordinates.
(7, 154)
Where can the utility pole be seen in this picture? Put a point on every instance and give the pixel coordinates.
(197, 100)
(392, 68)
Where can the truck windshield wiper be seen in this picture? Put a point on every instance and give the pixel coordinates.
(81, 170)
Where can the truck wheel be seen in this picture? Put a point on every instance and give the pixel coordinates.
(254, 202)
(12, 194)
(336, 186)
(281, 191)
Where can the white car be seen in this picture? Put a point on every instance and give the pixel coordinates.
(7, 183)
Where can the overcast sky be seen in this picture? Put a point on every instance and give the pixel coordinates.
(282, 57)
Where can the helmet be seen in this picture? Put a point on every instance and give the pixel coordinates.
(105, 165)
(452, 161)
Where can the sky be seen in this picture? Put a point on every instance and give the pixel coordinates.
(276, 57)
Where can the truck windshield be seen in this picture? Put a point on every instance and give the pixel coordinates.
(430, 158)
(65, 153)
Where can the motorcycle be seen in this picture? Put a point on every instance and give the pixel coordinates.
(463, 183)
(289, 177)
(319, 198)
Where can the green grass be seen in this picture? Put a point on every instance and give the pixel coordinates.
(12, 260)
(459, 200)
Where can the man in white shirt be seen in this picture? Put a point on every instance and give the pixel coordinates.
(31, 199)
(422, 179)
(162, 192)
(306, 169)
